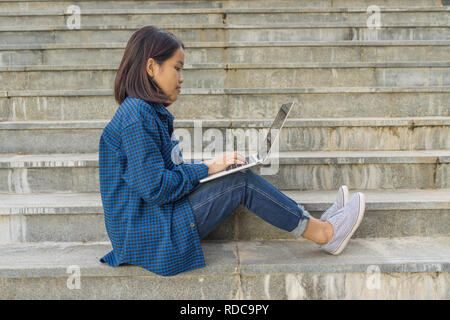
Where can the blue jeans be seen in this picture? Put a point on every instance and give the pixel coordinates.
(212, 202)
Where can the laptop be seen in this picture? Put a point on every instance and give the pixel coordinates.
(261, 156)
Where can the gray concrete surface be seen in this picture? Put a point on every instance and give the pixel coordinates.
(241, 270)
(69, 217)
(374, 116)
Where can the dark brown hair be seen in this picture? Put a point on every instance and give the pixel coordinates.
(132, 78)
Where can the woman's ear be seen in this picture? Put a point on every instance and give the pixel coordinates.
(150, 67)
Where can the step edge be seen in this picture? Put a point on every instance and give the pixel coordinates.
(232, 91)
(229, 66)
(206, 44)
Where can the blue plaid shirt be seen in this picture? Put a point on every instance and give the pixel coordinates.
(148, 217)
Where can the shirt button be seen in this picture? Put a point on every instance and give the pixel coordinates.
(192, 225)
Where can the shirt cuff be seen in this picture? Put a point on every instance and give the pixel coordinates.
(202, 170)
(197, 171)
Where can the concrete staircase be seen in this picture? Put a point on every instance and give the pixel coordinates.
(372, 113)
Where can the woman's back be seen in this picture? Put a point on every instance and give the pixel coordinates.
(147, 216)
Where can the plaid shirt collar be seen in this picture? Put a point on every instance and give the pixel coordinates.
(164, 115)
(162, 110)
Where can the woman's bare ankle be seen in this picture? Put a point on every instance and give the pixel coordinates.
(329, 232)
(318, 231)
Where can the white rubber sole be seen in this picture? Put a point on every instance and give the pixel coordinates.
(362, 208)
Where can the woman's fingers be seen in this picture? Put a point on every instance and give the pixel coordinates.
(241, 158)
(230, 158)
(238, 158)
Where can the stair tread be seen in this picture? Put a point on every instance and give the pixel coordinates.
(409, 254)
(206, 44)
(90, 203)
(220, 66)
(308, 25)
(82, 159)
(239, 122)
(236, 91)
(299, 9)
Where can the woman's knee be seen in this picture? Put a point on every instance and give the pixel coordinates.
(246, 173)
(250, 176)
(235, 178)
(243, 176)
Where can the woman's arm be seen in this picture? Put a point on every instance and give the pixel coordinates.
(146, 173)
(221, 162)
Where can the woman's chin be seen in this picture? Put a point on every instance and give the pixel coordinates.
(172, 100)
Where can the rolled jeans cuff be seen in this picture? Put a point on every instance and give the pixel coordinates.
(302, 223)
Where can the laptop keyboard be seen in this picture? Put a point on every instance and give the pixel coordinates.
(237, 165)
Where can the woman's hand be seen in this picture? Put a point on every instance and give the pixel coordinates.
(219, 163)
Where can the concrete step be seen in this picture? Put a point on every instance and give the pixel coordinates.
(405, 268)
(62, 5)
(238, 16)
(261, 103)
(212, 76)
(248, 52)
(68, 217)
(325, 134)
(294, 171)
(234, 33)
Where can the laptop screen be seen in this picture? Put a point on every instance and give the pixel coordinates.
(274, 130)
